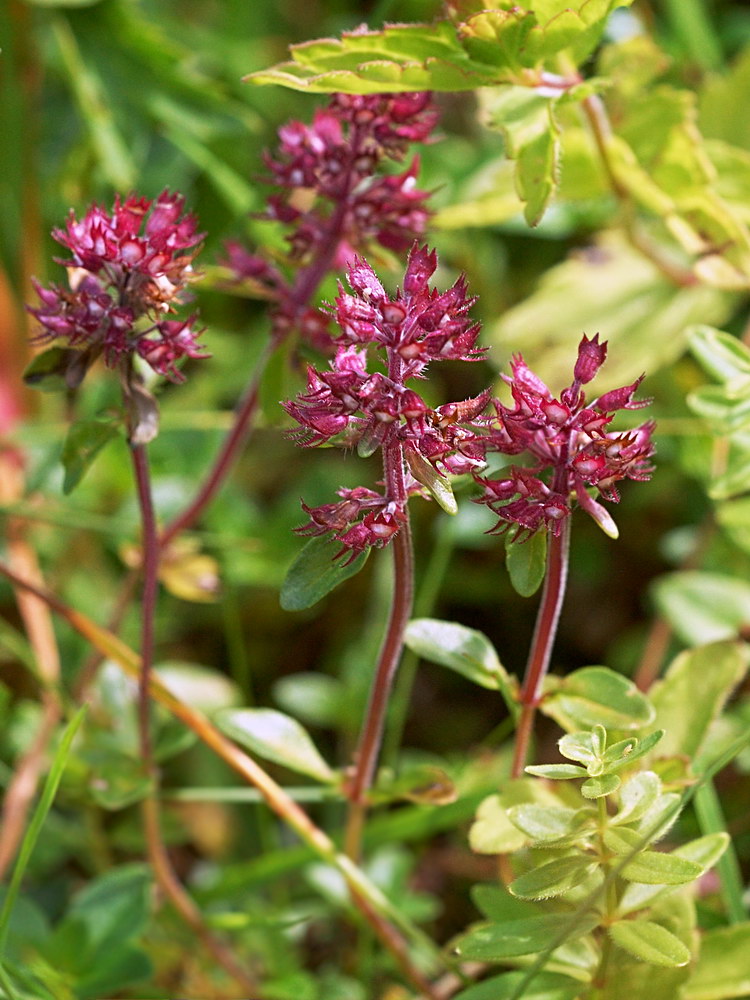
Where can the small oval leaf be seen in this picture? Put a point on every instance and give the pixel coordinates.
(597, 788)
(597, 695)
(276, 737)
(650, 942)
(527, 562)
(462, 649)
(553, 878)
(496, 942)
(316, 572)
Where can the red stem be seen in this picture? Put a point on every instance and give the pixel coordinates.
(545, 631)
(150, 567)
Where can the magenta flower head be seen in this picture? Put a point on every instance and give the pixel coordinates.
(336, 199)
(378, 409)
(574, 457)
(128, 268)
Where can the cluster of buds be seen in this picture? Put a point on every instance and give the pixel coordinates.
(571, 448)
(127, 270)
(376, 409)
(336, 200)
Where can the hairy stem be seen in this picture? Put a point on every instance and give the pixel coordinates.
(158, 855)
(545, 630)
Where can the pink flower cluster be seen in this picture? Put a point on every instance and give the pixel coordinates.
(127, 269)
(336, 200)
(378, 410)
(571, 448)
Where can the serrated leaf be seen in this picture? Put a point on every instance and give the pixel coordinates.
(496, 942)
(597, 695)
(315, 573)
(703, 607)
(552, 879)
(714, 671)
(650, 942)
(462, 649)
(526, 121)
(83, 442)
(543, 986)
(722, 970)
(597, 788)
(275, 737)
(398, 58)
(526, 563)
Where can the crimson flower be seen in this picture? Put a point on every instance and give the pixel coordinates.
(571, 449)
(377, 409)
(335, 198)
(127, 269)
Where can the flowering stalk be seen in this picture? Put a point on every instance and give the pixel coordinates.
(419, 445)
(335, 201)
(573, 458)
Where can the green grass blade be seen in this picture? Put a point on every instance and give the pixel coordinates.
(711, 819)
(691, 23)
(37, 822)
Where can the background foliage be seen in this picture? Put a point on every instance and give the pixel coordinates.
(120, 95)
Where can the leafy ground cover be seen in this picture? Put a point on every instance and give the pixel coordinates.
(374, 463)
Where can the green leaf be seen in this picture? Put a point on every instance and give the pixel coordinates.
(497, 905)
(83, 442)
(122, 967)
(724, 357)
(608, 287)
(496, 942)
(57, 369)
(115, 907)
(552, 879)
(544, 986)
(317, 699)
(527, 563)
(118, 781)
(557, 772)
(462, 649)
(548, 824)
(492, 831)
(656, 868)
(597, 695)
(722, 971)
(641, 749)
(398, 58)
(276, 737)
(438, 486)
(703, 607)
(704, 851)
(637, 795)
(315, 572)
(201, 687)
(714, 671)
(597, 788)
(531, 135)
(650, 942)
